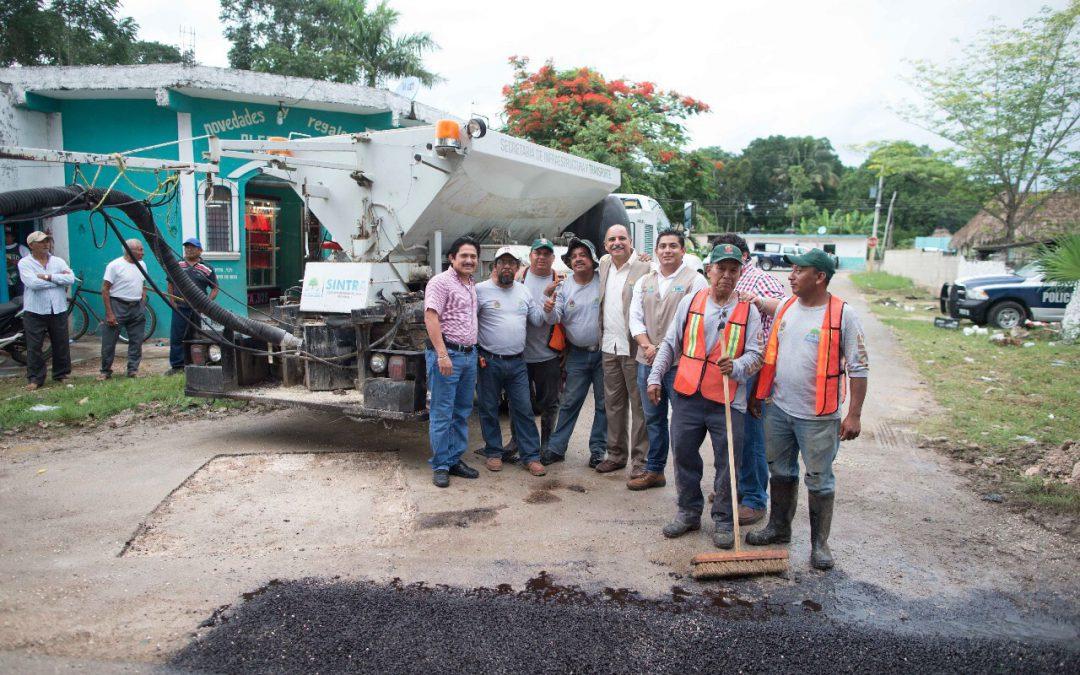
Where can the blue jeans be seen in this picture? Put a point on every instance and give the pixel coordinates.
(511, 376)
(180, 330)
(451, 405)
(819, 441)
(753, 469)
(656, 417)
(583, 369)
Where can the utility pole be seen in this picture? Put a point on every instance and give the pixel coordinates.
(877, 217)
(888, 222)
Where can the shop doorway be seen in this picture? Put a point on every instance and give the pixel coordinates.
(274, 240)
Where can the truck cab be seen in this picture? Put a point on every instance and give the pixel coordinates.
(769, 255)
(647, 219)
(1007, 300)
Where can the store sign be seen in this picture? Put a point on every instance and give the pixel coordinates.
(335, 287)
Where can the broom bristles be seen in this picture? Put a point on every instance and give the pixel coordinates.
(738, 568)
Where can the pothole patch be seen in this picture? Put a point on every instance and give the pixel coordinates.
(253, 505)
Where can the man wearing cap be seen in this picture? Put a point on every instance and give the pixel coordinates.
(652, 309)
(753, 470)
(123, 292)
(815, 338)
(13, 253)
(714, 334)
(576, 305)
(545, 369)
(626, 435)
(504, 307)
(45, 278)
(185, 320)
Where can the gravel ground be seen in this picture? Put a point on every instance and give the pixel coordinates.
(316, 626)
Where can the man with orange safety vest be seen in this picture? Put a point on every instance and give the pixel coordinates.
(815, 338)
(713, 334)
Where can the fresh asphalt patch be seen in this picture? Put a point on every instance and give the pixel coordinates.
(336, 626)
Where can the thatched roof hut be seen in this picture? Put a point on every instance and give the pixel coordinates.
(1059, 215)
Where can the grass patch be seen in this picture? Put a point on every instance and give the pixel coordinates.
(87, 398)
(881, 281)
(1007, 404)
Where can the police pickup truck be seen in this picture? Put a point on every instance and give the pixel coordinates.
(1006, 300)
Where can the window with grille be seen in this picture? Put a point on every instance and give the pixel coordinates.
(219, 220)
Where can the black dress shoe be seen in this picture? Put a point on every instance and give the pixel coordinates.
(463, 470)
(441, 478)
(548, 457)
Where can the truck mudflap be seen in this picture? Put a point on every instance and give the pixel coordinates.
(348, 402)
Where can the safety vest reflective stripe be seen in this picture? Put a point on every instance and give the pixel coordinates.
(695, 371)
(829, 385)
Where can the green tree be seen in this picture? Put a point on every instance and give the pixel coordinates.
(1062, 264)
(74, 33)
(634, 126)
(1011, 105)
(339, 40)
(769, 184)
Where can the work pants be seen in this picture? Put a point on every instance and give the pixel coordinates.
(692, 417)
(656, 417)
(450, 407)
(583, 369)
(36, 327)
(181, 329)
(495, 376)
(129, 315)
(545, 378)
(621, 398)
(817, 439)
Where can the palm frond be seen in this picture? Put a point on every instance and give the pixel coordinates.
(1062, 263)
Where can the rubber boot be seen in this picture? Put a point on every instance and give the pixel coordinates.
(821, 508)
(783, 498)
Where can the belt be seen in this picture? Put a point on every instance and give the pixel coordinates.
(590, 350)
(501, 357)
(453, 346)
(126, 302)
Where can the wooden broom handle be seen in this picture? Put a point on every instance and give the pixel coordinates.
(731, 467)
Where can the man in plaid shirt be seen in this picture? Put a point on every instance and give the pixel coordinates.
(753, 469)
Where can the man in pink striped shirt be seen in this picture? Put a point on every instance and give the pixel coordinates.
(450, 318)
(753, 469)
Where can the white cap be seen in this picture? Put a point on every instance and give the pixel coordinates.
(506, 250)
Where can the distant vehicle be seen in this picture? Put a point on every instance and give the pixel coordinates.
(773, 255)
(1006, 300)
(647, 219)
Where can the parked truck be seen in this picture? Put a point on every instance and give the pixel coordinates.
(391, 201)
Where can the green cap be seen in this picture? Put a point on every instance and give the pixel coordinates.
(543, 243)
(816, 258)
(725, 252)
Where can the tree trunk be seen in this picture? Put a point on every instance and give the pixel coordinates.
(1070, 323)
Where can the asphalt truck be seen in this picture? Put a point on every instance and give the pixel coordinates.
(390, 202)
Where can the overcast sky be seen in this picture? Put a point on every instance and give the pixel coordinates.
(832, 68)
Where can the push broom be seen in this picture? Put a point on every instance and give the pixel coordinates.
(737, 563)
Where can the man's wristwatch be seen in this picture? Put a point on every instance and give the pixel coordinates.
(443, 356)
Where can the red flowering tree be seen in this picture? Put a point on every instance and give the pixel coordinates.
(634, 126)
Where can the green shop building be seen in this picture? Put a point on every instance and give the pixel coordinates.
(252, 227)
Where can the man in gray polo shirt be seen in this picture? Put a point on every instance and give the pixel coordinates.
(577, 306)
(503, 309)
(545, 369)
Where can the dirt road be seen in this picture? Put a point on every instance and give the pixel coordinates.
(117, 545)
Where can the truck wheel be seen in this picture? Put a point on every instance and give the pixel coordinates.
(766, 264)
(1007, 314)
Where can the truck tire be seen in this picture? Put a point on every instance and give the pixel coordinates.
(1006, 314)
(766, 264)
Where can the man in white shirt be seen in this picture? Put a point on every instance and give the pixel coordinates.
(652, 309)
(619, 271)
(45, 278)
(124, 294)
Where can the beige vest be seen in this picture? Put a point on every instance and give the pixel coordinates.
(660, 313)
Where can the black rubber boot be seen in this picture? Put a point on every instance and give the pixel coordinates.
(783, 498)
(821, 508)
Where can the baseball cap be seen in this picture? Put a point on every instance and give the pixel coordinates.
(35, 237)
(192, 241)
(726, 252)
(543, 243)
(506, 250)
(815, 258)
(575, 243)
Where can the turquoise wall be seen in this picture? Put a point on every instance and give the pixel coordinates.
(121, 125)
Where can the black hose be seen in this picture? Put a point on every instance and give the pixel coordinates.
(74, 198)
